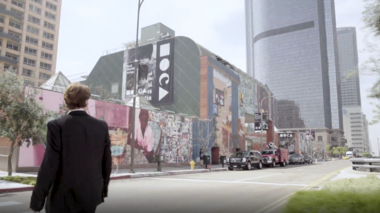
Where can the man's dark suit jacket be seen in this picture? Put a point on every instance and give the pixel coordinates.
(76, 168)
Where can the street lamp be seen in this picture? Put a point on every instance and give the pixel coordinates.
(135, 88)
(262, 110)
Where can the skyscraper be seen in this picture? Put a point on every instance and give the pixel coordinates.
(29, 38)
(291, 47)
(348, 66)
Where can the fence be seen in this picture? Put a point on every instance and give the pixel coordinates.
(371, 164)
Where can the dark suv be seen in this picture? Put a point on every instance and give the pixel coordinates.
(245, 160)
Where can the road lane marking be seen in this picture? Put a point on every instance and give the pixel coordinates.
(257, 177)
(9, 203)
(280, 201)
(233, 182)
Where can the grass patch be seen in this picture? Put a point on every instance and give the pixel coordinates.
(19, 179)
(340, 196)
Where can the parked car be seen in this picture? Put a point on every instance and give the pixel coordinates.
(245, 160)
(308, 159)
(272, 157)
(346, 157)
(296, 158)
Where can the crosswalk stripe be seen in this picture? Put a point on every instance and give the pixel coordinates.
(9, 203)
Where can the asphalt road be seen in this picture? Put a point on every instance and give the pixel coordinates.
(217, 192)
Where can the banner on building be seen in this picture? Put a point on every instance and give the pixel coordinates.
(264, 124)
(155, 73)
(287, 141)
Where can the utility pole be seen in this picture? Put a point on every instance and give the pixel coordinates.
(262, 111)
(135, 89)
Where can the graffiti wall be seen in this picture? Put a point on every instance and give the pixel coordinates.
(155, 133)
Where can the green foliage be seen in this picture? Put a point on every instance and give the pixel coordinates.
(371, 16)
(366, 155)
(345, 195)
(22, 119)
(19, 179)
(339, 150)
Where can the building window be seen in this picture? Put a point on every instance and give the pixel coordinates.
(47, 56)
(30, 62)
(12, 47)
(45, 66)
(320, 138)
(34, 19)
(14, 24)
(35, 9)
(49, 26)
(48, 35)
(49, 15)
(30, 51)
(28, 72)
(51, 6)
(17, 12)
(37, 1)
(44, 76)
(115, 88)
(10, 68)
(19, 4)
(1, 19)
(17, 35)
(14, 57)
(33, 30)
(47, 45)
(31, 40)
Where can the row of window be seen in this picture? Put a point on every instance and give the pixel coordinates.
(32, 62)
(37, 32)
(31, 73)
(48, 4)
(35, 42)
(37, 21)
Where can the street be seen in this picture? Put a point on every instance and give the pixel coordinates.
(232, 191)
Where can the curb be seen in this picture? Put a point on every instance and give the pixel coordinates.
(19, 189)
(157, 174)
(30, 188)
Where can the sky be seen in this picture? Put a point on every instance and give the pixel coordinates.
(91, 28)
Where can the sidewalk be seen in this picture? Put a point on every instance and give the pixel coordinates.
(350, 173)
(6, 187)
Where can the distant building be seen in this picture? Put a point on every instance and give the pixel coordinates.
(292, 48)
(348, 66)
(29, 32)
(356, 129)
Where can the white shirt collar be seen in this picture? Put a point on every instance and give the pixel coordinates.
(80, 109)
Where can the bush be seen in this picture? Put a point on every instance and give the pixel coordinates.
(345, 195)
(23, 180)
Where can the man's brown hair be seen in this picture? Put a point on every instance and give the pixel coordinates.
(76, 96)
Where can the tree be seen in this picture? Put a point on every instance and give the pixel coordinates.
(206, 133)
(22, 119)
(339, 150)
(371, 18)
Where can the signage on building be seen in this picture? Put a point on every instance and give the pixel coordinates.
(264, 124)
(155, 73)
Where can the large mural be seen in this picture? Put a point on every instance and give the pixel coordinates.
(156, 133)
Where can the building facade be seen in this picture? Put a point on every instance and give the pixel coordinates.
(292, 49)
(356, 128)
(29, 32)
(348, 66)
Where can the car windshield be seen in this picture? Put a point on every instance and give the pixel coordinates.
(296, 155)
(268, 152)
(241, 154)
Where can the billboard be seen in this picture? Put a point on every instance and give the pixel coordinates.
(155, 74)
(287, 141)
(264, 124)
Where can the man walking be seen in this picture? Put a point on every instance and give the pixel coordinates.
(76, 168)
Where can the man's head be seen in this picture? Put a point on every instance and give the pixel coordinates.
(76, 96)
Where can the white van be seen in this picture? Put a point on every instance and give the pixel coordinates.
(350, 154)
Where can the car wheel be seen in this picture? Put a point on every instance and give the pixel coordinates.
(273, 164)
(230, 168)
(260, 166)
